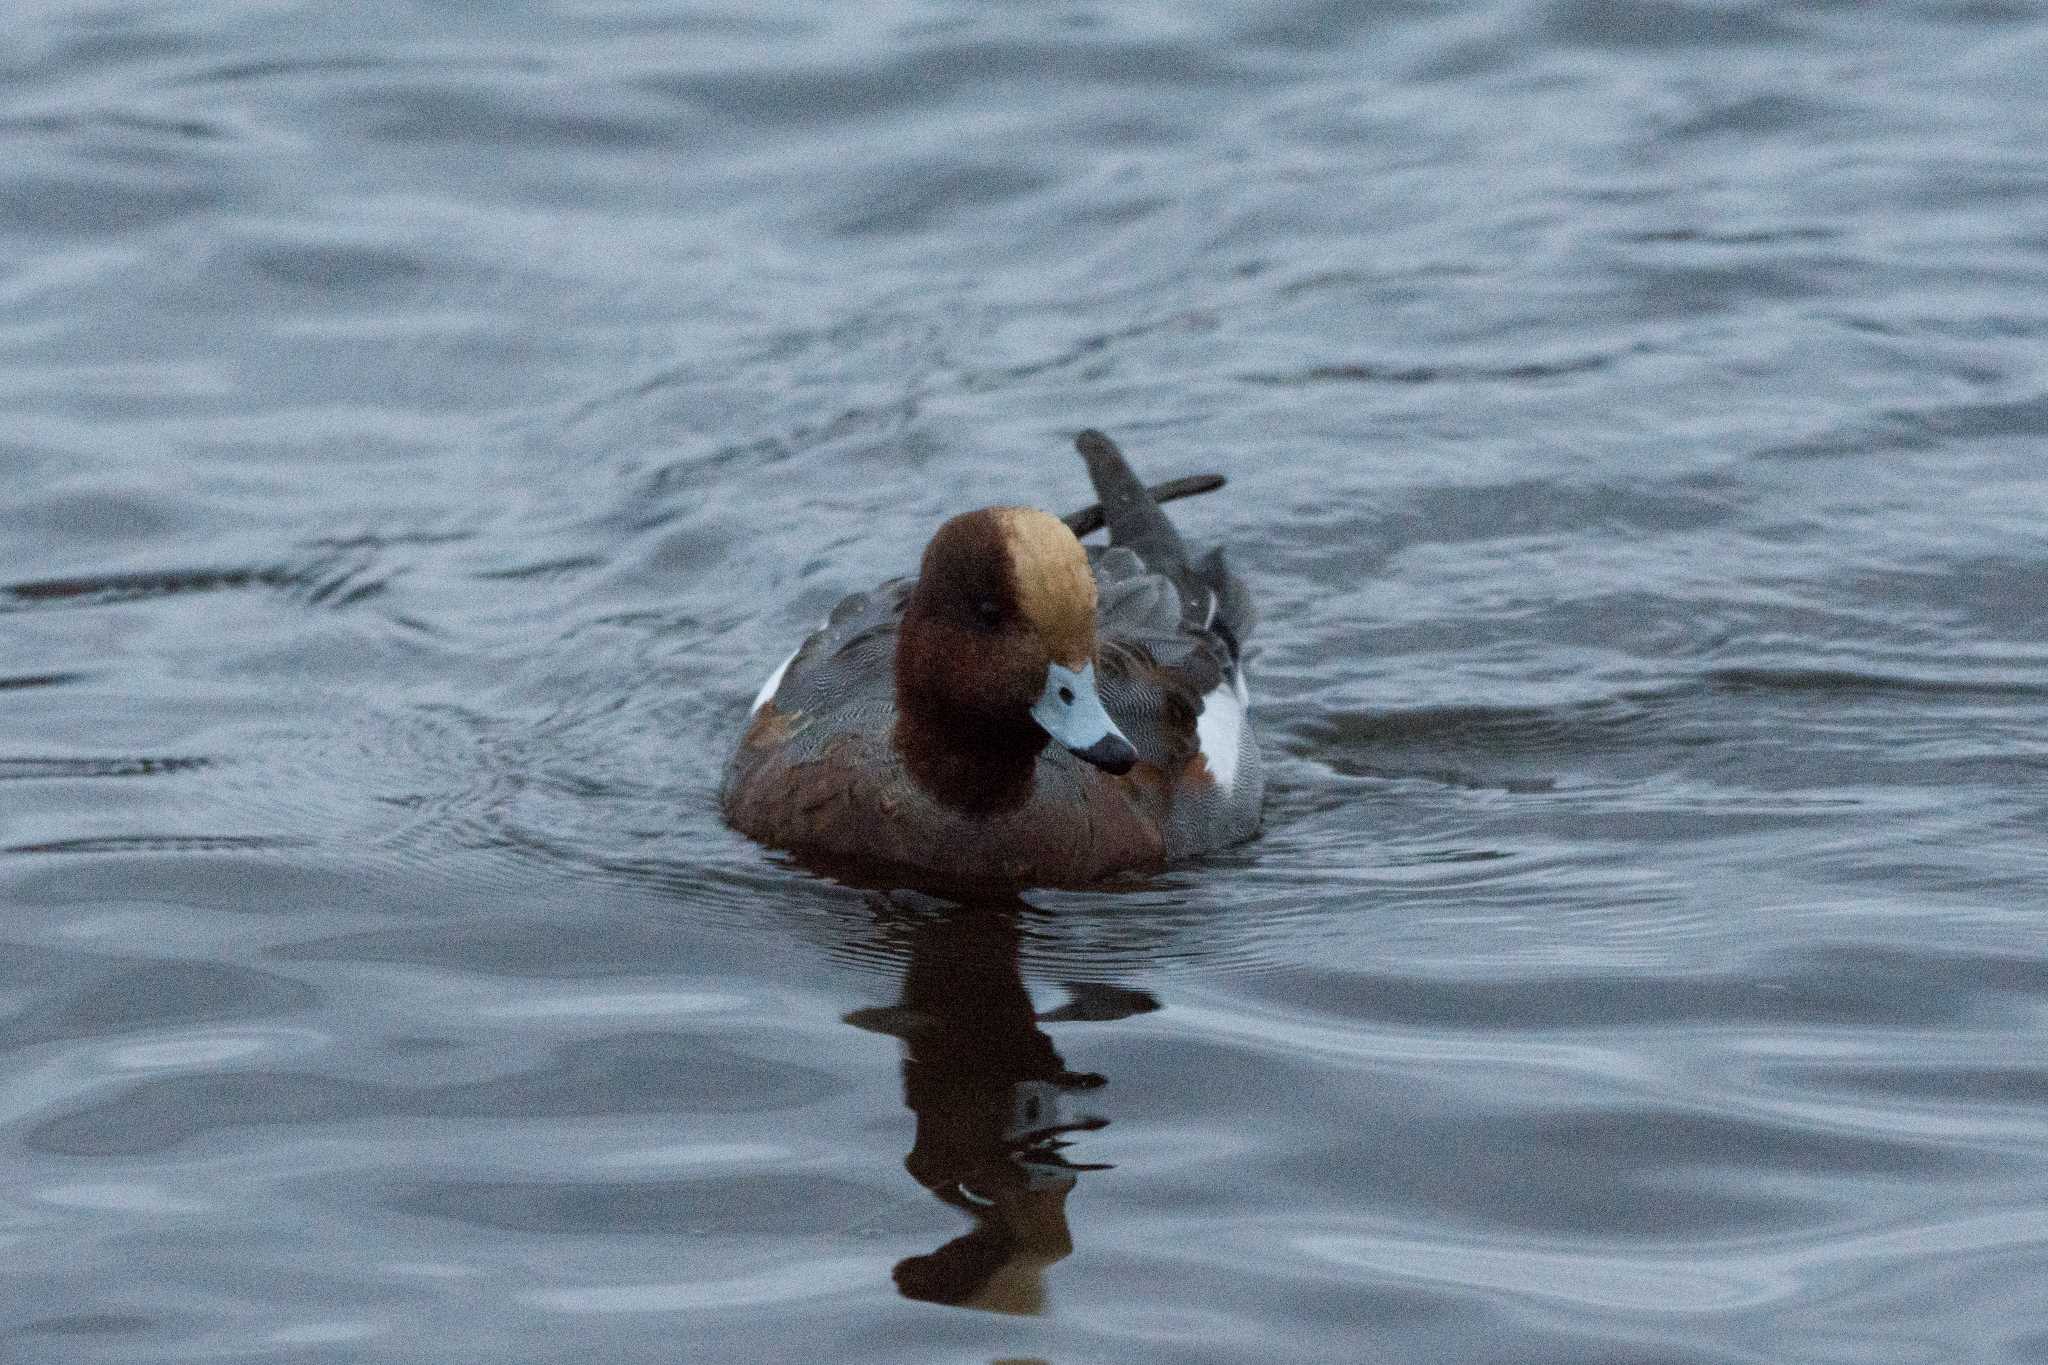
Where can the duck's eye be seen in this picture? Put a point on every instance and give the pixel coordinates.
(988, 612)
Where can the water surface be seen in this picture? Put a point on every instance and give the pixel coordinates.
(428, 424)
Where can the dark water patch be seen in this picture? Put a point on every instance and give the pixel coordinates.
(883, 427)
(1860, 436)
(1356, 372)
(1979, 324)
(1762, 115)
(265, 69)
(1996, 597)
(112, 37)
(1438, 857)
(1091, 350)
(1687, 292)
(108, 1000)
(925, 194)
(1990, 12)
(546, 570)
(97, 516)
(1316, 26)
(1436, 742)
(1730, 237)
(1984, 418)
(86, 125)
(1329, 281)
(1671, 1174)
(359, 270)
(756, 1204)
(877, 87)
(1665, 1143)
(1825, 684)
(1915, 429)
(1670, 1171)
(1660, 24)
(324, 583)
(161, 843)
(1928, 1084)
(159, 1115)
(101, 1324)
(1989, 178)
(1489, 512)
(22, 769)
(494, 111)
(388, 540)
(659, 20)
(102, 200)
(22, 682)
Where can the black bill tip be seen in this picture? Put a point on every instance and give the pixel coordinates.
(1112, 753)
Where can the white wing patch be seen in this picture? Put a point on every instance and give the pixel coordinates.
(1219, 732)
(774, 681)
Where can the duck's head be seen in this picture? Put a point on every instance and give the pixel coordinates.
(999, 636)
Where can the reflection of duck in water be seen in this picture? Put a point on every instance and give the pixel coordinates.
(992, 1098)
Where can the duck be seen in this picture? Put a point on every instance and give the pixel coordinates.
(1023, 710)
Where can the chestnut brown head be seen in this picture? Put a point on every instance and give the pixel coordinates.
(999, 637)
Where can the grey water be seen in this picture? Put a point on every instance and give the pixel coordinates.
(422, 426)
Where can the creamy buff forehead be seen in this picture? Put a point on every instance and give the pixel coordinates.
(1055, 591)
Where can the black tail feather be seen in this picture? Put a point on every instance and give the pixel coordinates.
(1089, 519)
(1134, 520)
(1136, 523)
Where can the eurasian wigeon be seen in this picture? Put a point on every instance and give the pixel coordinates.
(1026, 710)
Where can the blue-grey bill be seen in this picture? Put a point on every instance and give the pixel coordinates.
(1070, 710)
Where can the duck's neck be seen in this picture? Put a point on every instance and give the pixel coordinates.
(967, 761)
